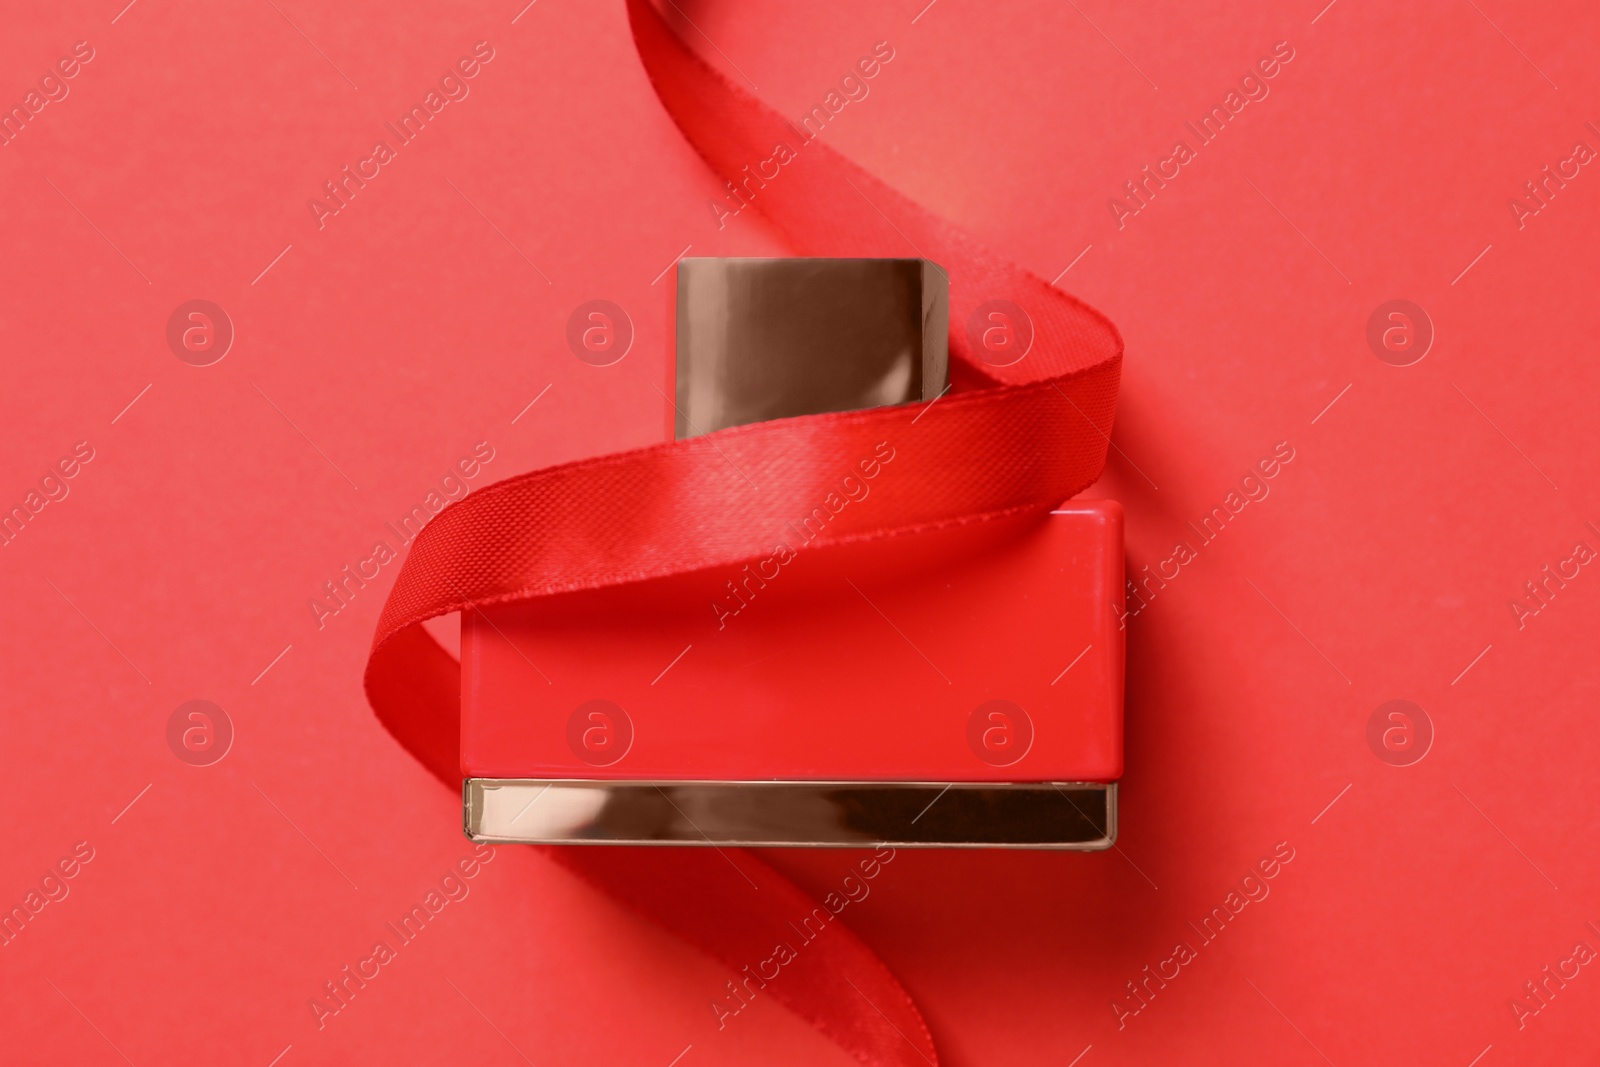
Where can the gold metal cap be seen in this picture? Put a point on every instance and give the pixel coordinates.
(766, 339)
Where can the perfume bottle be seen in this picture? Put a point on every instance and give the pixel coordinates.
(958, 687)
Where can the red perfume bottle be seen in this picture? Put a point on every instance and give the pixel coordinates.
(955, 687)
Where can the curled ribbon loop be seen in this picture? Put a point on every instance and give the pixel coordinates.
(1013, 435)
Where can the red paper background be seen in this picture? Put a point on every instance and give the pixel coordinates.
(415, 324)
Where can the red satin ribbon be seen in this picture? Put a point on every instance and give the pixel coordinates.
(1005, 440)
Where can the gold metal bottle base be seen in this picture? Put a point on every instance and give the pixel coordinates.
(1037, 815)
